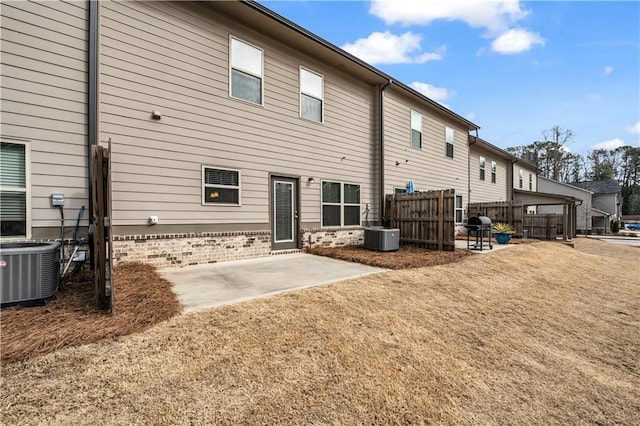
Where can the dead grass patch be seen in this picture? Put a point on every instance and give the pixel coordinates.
(405, 257)
(143, 299)
(537, 334)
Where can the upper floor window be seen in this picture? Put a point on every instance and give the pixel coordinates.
(13, 190)
(482, 167)
(416, 129)
(448, 136)
(530, 182)
(340, 204)
(494, 169)
(245, 72)
(311, 95)
(520, 180)
(220, 186)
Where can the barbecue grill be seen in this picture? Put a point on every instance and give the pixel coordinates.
(479, 227)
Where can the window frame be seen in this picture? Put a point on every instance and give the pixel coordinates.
(27, 190)
(482, 168)
(204, 185)
(341, 204)
(459, 209)
(530, 182)
(231, 68)
(494, 170)
(301, 92)
(520, 179)
(420, 132)
(448, 143)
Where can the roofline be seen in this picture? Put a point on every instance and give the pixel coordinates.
(547, 194)
(597, 193)
(601, 211)
(566, 184)
(506, 154)
(295, 27)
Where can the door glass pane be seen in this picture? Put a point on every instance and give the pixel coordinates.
(310, 108)
(330, 192)
(351, 194)
(246, 87)
(351, 215)
(330, 215)
(283, 201)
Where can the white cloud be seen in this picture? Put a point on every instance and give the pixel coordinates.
(634, 129)
(471, 116)
(610, 144)
(516, 40)
(438, 94)
(495, 16)
(607, 70)
(388, 48)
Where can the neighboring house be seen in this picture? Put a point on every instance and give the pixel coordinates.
(586, 215)
(491, 172)
(240, 131)
(607, 196)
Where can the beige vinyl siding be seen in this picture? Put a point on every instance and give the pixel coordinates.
(517, 167)
(482, 191)
(44, 99)
(429, 167)
(173, 57)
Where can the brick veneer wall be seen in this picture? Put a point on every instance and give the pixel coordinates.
(189, 249)
(170, 250)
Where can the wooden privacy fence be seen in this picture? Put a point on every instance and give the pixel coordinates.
(511, 212)
(425, 219)
(101, 203)
(543, 226)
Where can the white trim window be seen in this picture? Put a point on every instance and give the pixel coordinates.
(245, 71)
(520, 179)
(530, 182)
(459, 209)
(311, 95)
(340, 204)
(15, 199)
(220, 186)
(482, 167)
(416, 129)
(494, 171)
(449, 137)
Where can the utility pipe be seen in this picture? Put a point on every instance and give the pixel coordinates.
(383, 218)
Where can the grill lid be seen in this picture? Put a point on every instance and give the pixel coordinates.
(479, 220)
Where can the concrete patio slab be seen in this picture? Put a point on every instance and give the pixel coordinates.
(207, 286)
(462, 244)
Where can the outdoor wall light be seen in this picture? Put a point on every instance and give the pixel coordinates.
(311, 180)
(156, 115)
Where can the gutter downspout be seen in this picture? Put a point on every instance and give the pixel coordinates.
(383, 219)
(469, 171)
(92, 91)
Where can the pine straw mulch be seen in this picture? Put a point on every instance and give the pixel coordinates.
(404, 258)
(142, 299)
(537, 334)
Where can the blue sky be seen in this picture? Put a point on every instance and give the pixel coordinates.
(514, 68)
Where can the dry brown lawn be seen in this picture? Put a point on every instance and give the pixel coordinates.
(536, 334)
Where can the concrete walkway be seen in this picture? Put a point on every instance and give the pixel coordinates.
(207, 286)
(462, 244)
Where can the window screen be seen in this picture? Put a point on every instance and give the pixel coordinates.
(311, 95)
(448, 136)
(246, 72)
(13, 190)
(416, 129)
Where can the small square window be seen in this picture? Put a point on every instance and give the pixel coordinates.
(220, 186)
(340, 204)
